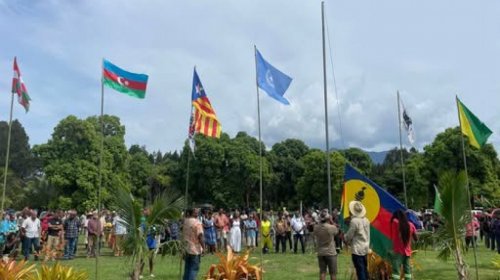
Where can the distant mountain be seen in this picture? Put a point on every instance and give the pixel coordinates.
(377, 157)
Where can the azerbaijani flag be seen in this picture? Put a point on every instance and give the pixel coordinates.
(123, 81)
(19, 88)
(472, 127)
(379, 204)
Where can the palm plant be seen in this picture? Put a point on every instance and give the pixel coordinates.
(450, 237)
(167, 205)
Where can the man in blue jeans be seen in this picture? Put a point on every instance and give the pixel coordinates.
(71, 225)
(358, 237)
(192, 234)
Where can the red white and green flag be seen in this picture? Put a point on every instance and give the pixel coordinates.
(19, 88)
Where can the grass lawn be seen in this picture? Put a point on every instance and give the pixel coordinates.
(289, 266)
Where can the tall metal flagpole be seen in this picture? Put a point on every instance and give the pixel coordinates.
(327, 152)
(99, 186)
(260, 151)
(7, 154)
(468, 190)
(401, 149)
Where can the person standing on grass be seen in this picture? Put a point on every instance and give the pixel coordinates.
(280, 229)
(471, 230)
(495, 229)
(94, 229)
(298, 227)
(119, 230)
(71, 225)
(402, 232)
(235, 233)
(31, 230)
(222, 227)
(250, 230)
(358, 237)
(209, 231)
(266, 240)
(55, 227)
(150, 243)
(192, 234)
(324, 233)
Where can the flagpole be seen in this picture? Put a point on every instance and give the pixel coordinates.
(328, 176)
(260, 153)
(401, 150)
(474, 243)
(100, 178)
(7, 154)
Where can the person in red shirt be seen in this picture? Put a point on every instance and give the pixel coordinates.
(471, 233)
(402, 232)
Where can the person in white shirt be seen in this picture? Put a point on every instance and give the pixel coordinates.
(298, 226)
(119, 230)
(31, 230)
(358, 238)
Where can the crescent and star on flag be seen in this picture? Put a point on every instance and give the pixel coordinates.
(122, 81)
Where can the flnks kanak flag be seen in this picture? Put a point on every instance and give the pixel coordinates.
(203, 119)
(271, 80)
(19, 88)
(123, 81)
(379, 204)
(406, 122)
(472, 127)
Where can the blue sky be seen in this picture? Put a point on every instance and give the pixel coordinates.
(429, 50)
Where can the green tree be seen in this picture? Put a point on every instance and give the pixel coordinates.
(359, 159)
(20, 159)
(312, 186)
(167, 205)
(70, 160)
(284, 159)
(445, 153)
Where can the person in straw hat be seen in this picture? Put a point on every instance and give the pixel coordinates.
(358, 237)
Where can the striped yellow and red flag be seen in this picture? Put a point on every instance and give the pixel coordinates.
(203, 119)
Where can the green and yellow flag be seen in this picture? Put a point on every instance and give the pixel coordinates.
(472, 127)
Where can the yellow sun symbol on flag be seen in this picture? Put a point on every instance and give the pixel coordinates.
(363, 192)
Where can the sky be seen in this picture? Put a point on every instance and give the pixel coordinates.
(428, 50)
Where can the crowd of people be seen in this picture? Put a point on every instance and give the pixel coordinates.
(55, 234)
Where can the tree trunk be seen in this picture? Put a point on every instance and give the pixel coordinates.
(460, 265)
(136, 273)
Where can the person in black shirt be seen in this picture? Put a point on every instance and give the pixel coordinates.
(54, 232)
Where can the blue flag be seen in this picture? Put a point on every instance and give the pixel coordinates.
(272, 80)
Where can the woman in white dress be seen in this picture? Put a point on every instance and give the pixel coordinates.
(235, 233)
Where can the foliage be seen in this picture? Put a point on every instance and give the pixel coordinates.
(58, 272)
(233, 267)
(378, 268)
(70, 160)
(455, 215)
(311, 187)
(168, 205)
(225, 172)
(12, 270)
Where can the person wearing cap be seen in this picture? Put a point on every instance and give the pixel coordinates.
(358, 237)
(324, 233)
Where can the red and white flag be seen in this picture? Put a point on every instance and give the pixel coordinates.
(19, 88)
